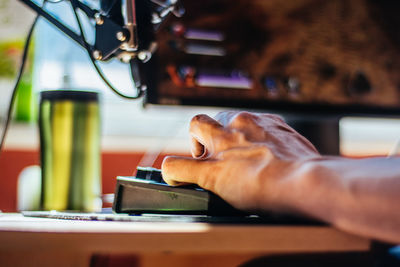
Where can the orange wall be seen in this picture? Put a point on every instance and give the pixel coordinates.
(13, 161)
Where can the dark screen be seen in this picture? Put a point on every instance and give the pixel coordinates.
(332, 56)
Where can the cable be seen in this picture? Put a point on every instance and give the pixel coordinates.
(97, 68)
(54, 1)
(14, 91)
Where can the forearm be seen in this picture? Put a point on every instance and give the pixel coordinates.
(359, 196)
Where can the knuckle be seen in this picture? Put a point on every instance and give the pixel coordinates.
(197, 118)
(244, 117)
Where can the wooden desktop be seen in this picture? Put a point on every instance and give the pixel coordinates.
(26, 241)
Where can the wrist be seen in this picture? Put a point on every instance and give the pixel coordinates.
(289, 187)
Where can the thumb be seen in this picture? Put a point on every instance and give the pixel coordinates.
(177, 170)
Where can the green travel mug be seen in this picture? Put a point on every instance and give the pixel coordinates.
(69, 124)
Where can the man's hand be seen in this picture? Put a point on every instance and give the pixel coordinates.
(258, 163)
(242, 157)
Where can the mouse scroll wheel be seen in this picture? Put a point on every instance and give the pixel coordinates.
(148, 173)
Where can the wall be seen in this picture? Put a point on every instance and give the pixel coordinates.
(13, 161)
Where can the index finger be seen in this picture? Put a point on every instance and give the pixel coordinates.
(204, 130)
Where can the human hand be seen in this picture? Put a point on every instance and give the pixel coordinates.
(243, 157)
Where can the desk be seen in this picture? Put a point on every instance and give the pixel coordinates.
(71, 243)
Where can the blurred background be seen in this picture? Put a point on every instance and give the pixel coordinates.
(131, 134)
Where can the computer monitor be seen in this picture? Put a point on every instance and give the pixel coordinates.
(313, 60)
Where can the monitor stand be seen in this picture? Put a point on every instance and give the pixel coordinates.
(323, 132)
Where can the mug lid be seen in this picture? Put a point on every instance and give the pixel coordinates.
(69, 95)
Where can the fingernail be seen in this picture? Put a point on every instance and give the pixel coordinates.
(202, 154)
